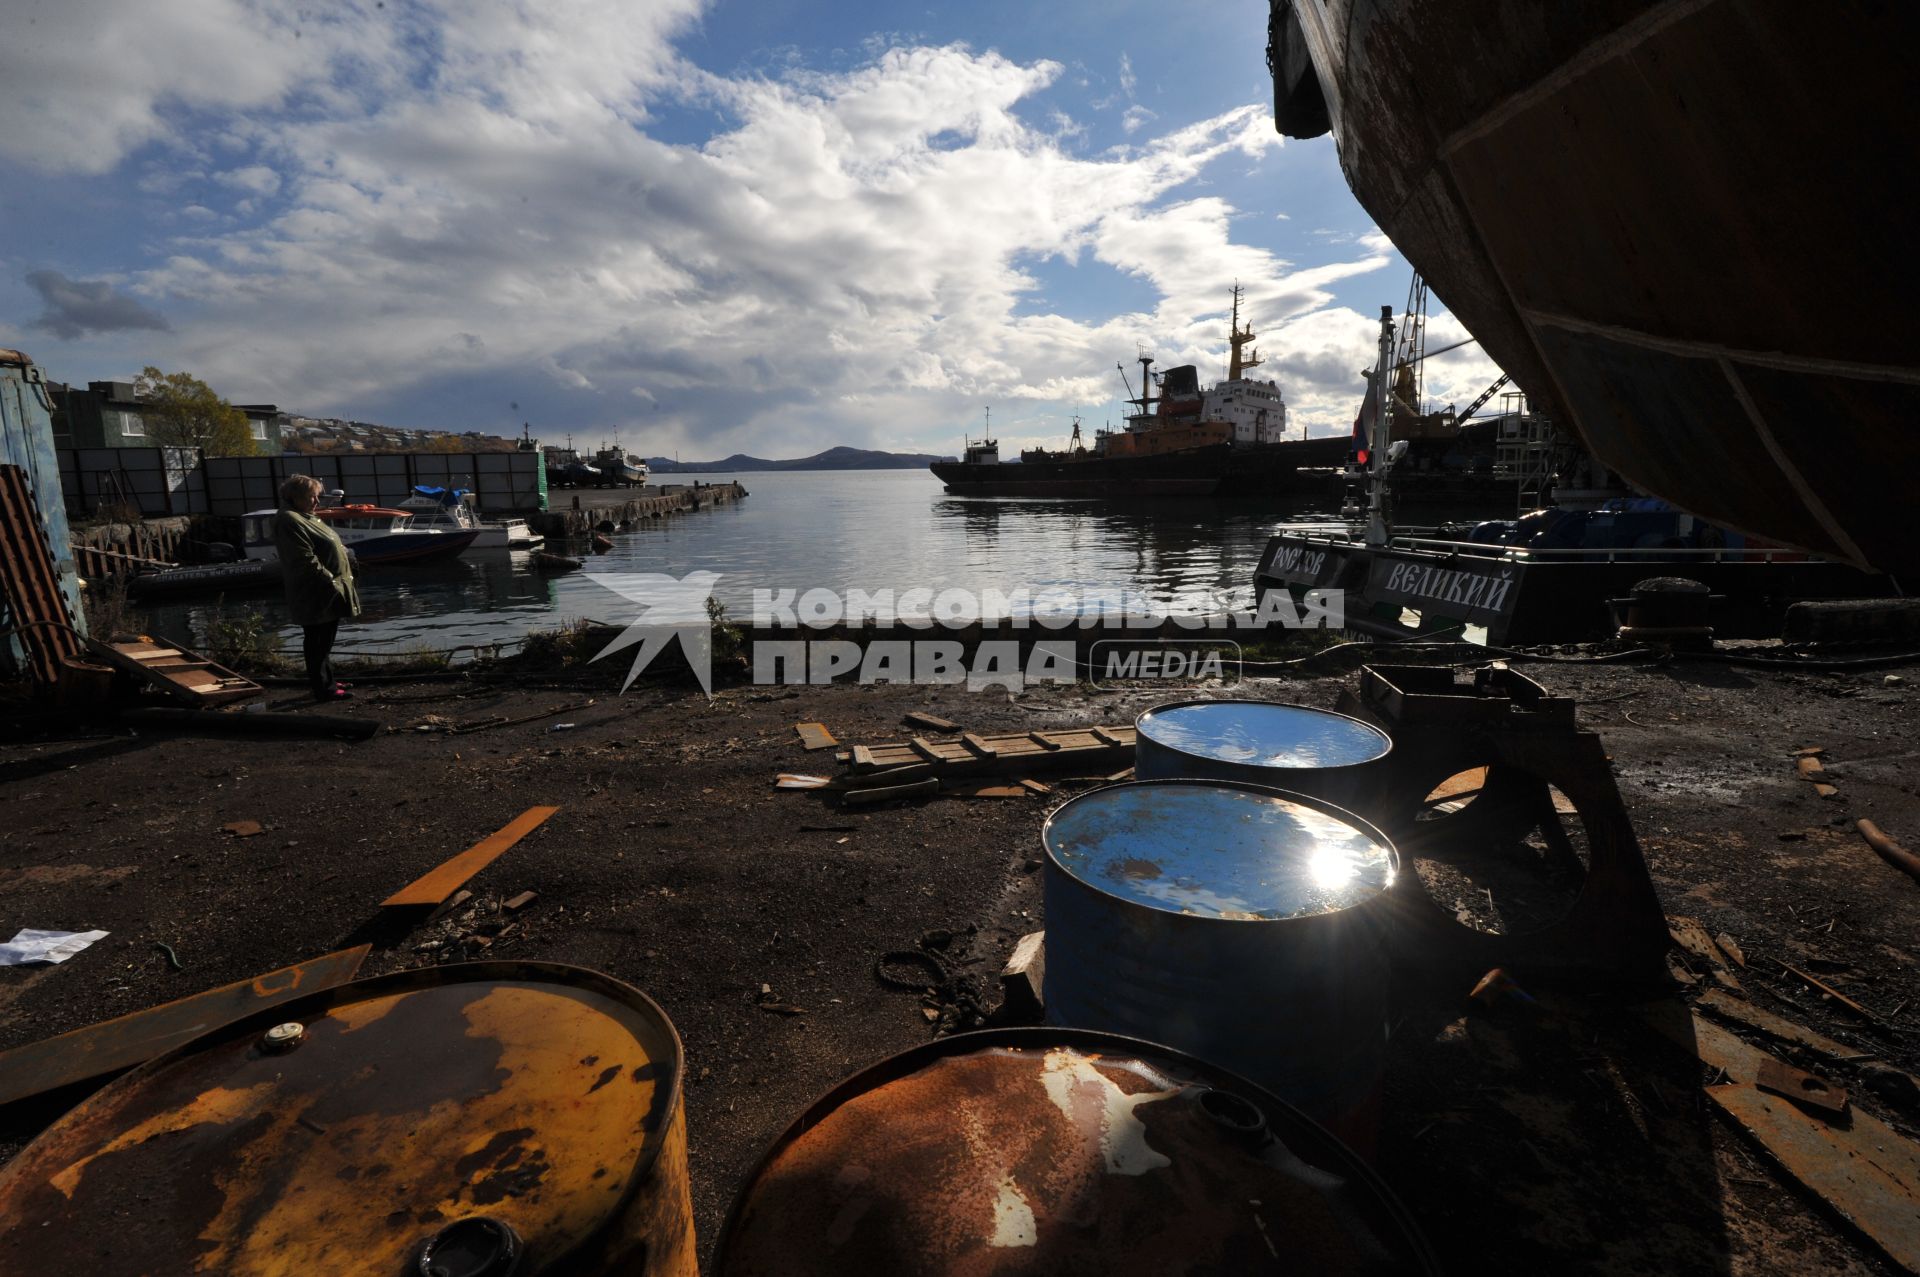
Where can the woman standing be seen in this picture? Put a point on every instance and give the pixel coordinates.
(318, 576)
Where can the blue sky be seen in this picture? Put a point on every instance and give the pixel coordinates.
(749, 225)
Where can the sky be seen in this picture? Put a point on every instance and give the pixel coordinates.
(698, 226)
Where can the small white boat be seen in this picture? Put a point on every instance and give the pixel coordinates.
(447, 510)
(374, 534)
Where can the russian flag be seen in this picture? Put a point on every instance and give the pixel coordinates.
(1363, 427)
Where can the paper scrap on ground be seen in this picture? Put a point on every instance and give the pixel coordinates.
(787, 781)
(45, 946)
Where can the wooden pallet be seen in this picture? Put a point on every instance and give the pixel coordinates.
(178, 671)
(1093, 748)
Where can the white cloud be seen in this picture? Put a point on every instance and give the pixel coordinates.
(1127, 80)
(1135, 117)
(257, 178)
(848, 263)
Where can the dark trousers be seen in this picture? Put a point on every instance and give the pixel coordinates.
(316, 644)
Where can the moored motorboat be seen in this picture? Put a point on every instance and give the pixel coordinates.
(448, 509)
(208, 578)
(373, 534)
(618, 468)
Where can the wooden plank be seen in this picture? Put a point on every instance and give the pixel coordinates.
(1739, 1010)
(978, 745)
(1692, 937)
(1043, 740)
(182, 674)
(932, 722)
(434, 887)
(1866, 1171)
(1833, 993)
(922, 747)
(116, 1045)
(863, 759)
(815, 736)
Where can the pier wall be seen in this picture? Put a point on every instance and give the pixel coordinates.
(585, 510)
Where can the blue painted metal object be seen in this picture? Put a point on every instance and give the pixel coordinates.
(1242, 924)
(1291, 747)
(26, 440)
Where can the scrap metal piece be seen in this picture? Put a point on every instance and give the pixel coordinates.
(1802, 1088)
(115, 1045)
(1867, 1172)
(1529, 741)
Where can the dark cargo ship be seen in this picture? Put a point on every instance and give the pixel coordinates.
(1183, 442)
(1675, 223)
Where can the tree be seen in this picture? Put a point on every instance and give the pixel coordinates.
(182, 411)
(443, 443)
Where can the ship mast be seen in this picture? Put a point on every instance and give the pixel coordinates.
(1381, 436)
(1145, 398)
(1237, 364)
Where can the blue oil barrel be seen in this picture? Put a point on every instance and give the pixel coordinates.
(1242, 924)
(1292, 747)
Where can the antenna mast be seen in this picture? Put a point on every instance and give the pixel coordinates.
(1237, 363)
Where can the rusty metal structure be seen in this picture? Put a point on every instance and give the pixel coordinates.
(1526, 740)
(1292, 747)
(482, 1119)
(1064, 1153)
(1240, 923)
(1672, 221)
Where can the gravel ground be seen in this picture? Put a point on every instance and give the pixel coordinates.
(1558, 1140)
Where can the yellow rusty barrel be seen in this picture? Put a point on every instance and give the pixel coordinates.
(1063, 1153)
(475, 1120)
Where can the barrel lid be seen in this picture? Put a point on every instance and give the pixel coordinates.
(1264, 734)
(1217, 849)
(533, 1095)
(1091, 1154)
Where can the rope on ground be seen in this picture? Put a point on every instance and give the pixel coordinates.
(947, 987)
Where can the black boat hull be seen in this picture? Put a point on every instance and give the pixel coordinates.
(1408, 591)
(1215, 470)
(1676, 221)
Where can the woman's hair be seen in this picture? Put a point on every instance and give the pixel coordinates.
(297, 484)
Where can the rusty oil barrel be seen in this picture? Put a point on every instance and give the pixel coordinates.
(1064, 1153)
(1292, 747)
(1242, 924)
(473, 1120)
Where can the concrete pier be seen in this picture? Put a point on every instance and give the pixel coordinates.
(579, 511)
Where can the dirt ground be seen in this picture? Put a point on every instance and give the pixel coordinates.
(1558, 1137)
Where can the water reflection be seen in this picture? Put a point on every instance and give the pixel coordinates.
(874, 530)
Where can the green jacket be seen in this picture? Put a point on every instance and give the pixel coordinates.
(315, 568)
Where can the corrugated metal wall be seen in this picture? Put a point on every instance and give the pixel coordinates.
(171, 481)
(26, 440)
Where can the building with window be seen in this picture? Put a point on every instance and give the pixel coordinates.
(107, 414)
(267, 424)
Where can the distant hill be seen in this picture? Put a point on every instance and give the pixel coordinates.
(831, 459)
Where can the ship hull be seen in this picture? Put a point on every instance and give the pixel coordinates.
(1417, 589)
(1215, 470)
(1675, 223)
